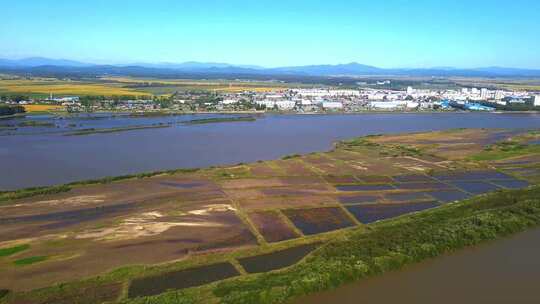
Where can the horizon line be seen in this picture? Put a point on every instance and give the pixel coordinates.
(96, 62)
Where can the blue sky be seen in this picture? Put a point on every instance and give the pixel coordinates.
(390, 33)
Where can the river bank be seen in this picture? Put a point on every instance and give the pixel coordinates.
(501, 271)
(34, 160)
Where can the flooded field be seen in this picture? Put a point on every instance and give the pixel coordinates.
(37, 156)
(370, 213)
(181, 279)
(82, 295)
(272, 227)
(318, 220)
(505, 271)
(276, 260)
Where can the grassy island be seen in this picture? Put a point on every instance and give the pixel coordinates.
(219, 120)
(269, 231)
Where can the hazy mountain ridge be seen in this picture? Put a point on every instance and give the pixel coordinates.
(47, 65)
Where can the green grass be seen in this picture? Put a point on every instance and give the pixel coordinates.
(113, 130)
(292, 156)
(30, 260)
(7, 196)
(3, 293)
(13, 250)
(34, 123)
(504, 150)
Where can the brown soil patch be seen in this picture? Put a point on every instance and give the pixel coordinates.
(271, 226)
(287, 202)
(262, 170)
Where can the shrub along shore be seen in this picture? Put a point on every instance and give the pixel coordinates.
(8, 197)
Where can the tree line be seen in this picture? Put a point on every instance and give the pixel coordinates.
(10, 110)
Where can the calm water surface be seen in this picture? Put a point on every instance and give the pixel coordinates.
(506, 271)
(43, 156)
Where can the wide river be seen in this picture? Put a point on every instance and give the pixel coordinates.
(505, 271)
(38, 156)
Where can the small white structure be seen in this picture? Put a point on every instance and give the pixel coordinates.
(285, 104)
(306, 102)
(412, 105)
(67, 99)
(388, 104)
(332, 105)
(536, 100)
(499, 95)
(229, 101)
(484, 94)
(269, 104)
(280, 104)
(274, 96)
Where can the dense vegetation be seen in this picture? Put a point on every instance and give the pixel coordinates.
(504, 150)
(114, 130)
(528, 106)
(7, 196)
(10, 110)
(30, 260)
(13, 250)
(388, 245)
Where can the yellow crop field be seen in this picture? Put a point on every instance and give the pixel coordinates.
(41, 108)
(24, 86)
(237, 89)
(211, 85)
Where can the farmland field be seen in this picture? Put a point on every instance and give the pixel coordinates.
(180, 230)
(167, 86)
(117, 86)
(41, 108)
(47, 86)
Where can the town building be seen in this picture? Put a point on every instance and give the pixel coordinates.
(388, 104)
(484, 94)
(229, 101)
(536, 100)
(332, 105)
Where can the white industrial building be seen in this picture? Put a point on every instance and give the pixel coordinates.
(536, 100)
(484, 94)
(388, 104)
(229, 101)
(326, 93)
(285, 104)
(280, 104)
(274, 96)
(332, 105)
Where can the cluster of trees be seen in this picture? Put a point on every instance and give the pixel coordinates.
(10, 110)
(527, 106)
(15, 98)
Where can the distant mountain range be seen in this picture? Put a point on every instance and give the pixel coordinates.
(39, 65)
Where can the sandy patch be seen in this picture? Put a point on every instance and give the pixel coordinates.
(70, 201)
(151, 223)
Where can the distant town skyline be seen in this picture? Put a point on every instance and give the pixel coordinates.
(394, 34)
